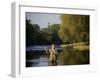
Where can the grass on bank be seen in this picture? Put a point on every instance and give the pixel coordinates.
(77, 46)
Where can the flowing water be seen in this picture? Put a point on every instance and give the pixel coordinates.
(37, 57)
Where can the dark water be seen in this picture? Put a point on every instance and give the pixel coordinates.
(38, 58)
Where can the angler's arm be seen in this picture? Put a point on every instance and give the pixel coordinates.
(46, 50)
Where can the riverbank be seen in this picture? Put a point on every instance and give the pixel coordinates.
(77, 46)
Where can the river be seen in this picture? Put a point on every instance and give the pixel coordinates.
(37, 57)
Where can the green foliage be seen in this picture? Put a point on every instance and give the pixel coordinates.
(29, 30)
(72, 27)
(43, 36)
(51, 33)
(33, 34)
(84, 36)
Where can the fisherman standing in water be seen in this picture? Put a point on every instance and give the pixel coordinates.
(52, 55)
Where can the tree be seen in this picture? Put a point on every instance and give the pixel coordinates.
(54, 28)
(51, 33)
(29, 30)
(72, 26)
(43, 36)
(33, 34)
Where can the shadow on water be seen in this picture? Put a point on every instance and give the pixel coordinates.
(65, 57)
(36, 58)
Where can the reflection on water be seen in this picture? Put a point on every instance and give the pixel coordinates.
(74, 57)
(42, 61)
(38, 58)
